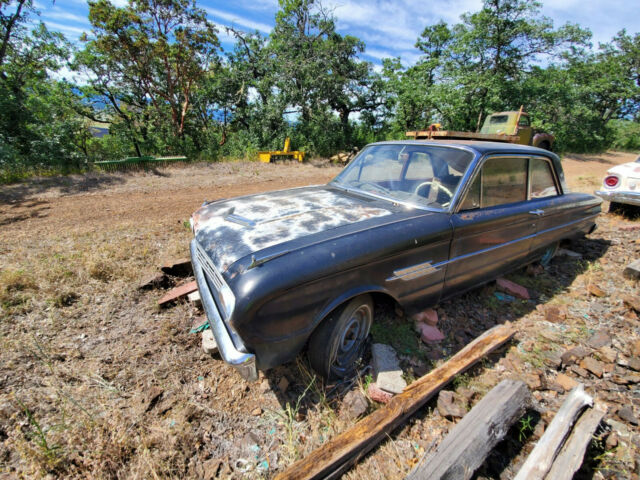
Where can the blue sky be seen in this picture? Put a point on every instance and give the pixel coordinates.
(389, 28)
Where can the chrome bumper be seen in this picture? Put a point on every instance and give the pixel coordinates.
(630, 198)
(245, 363)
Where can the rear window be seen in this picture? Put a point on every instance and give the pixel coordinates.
(497, 119)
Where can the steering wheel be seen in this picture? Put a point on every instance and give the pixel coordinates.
(440, 188)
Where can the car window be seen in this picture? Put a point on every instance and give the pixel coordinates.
(496, 119)
(504, 180)
(420, 167)
(382, 167)
(542, 183)
(472, 199)
(524, 121)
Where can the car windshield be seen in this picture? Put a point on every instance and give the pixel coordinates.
(419, 175)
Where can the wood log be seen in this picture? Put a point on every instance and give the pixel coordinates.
(339, 453)
(541, 458)
(465, 448)
(570, 457)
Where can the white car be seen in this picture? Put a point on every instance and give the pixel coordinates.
(621, 185)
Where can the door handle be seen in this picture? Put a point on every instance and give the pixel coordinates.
(539, 213)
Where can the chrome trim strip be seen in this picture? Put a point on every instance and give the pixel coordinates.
(413, 272)
(245, 363)
(632, 198)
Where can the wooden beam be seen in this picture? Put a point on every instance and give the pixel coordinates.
(467, 445)
(178, 292)
(570, 457)
(541, 458)
(339, 453)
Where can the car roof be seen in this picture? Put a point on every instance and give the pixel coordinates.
(480, 147)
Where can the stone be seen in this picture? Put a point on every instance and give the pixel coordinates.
(428, 316)
(612, 441)
(632, 271)
(633, 302)
(283, 384)
(626, 413)
(387, 373)
(429, 334)
(511, 288)
(595, 290)
(152, 397)
(209, 344)
(566, 382)
(634, 364)
(599, 339)
(533, 381)
(635, 348)
(555, 313)
(592, 365)
(256, 412)
(563, 252)
(579, 371)
(608, 354)
(533, 270)
(573, 355)
(179, 268)
(450, 405)
(354, 404)
(211, 468)
(194, 298)
(378, 395)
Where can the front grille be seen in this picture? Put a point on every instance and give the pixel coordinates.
(209, 268)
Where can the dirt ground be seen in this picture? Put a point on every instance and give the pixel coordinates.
(96, 381)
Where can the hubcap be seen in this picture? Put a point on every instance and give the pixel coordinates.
(351, 340)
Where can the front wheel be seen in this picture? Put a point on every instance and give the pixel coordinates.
(337, 344)
(549, 253)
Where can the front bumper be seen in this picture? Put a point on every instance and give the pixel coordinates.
(245, 363)
(629, 198)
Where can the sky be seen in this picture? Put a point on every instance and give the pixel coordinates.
(389, 28)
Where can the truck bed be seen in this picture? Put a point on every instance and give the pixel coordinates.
(453, 135)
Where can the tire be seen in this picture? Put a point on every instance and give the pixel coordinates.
(549, 253)
(337, 344)
(615, 207)
(545, 145)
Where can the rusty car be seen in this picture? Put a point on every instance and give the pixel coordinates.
(413, 222)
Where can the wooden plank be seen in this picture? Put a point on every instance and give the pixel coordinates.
(451, 134)
(339, 453)
(178, 292)
(467, 445)
(541, 458)
(570, 457)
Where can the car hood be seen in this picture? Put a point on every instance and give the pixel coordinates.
(231, 229)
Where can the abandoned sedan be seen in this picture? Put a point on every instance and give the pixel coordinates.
(412, 221)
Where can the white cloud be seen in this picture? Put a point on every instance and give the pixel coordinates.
(236, 19)
(66, 17)
(68, 30)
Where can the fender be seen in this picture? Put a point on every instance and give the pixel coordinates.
(540, 138)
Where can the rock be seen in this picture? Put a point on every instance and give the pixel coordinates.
(563, 252)
(533, 381)
(612, 441)
(178, 268)
(608, 354)
(626, 413)
(592, 365)
(429, 334)
(573, 355)
(595, 290)
(256, 411)
(158, 280)
(599, 339)
(283, 384)
(634, 364)
(632, 270)
(152, 397)
(194, 298)
(428, 316)
(450, 405)
(378, 395)
(579, 371)
(555, 313)
(386, 368)
(511, 288)
(209, 344)
(635, 348)
(566, 382)
(533, 270)
(211, 468)
(632, 302)
(354, 404)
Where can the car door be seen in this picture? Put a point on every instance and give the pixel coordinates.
(493, 226)
(524, 130)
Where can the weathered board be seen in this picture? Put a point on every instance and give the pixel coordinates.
(453, 135)
(467, 445)
(339, 453)
(570, 457)
(178, 292)
(541, 458)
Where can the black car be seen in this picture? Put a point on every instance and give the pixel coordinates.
(413, 221)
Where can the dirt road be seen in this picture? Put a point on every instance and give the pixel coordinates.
(97, 381)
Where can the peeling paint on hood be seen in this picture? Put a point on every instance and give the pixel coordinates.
(231, 229)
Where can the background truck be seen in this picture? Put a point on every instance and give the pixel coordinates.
(510, 127)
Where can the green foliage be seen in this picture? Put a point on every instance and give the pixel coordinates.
(626, 135)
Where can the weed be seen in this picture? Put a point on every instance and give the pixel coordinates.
(525, 428)
(399, 334)
(462, 380)
(38, 435)
(289, 416)
(14, 285)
